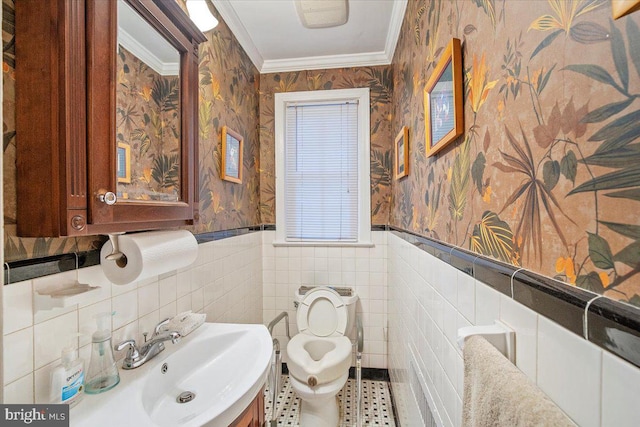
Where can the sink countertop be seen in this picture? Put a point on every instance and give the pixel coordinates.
(124, 405)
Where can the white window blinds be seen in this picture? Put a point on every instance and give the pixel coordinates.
(321, 172)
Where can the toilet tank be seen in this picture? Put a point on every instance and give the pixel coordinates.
(349, 301)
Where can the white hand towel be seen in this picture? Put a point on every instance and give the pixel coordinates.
(497, 393)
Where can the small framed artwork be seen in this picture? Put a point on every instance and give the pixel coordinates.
(443, 113)
(232, 144)
(123, 162)
(402, 153)
(621, 8)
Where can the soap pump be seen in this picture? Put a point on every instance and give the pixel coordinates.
(67, 378)
(103, 372)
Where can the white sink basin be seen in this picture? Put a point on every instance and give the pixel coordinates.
(224, 365)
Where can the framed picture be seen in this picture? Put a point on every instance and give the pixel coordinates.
(443, 114)
(402, 153)
(232, 144)
(123, 162)
(621, 8)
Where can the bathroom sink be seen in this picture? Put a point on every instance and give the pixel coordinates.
(216, 371)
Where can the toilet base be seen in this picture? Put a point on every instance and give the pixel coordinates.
(320, 413)
(319, 405)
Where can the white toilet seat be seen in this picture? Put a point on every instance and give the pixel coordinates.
(320, 355)
(322, 313)
(329, 367)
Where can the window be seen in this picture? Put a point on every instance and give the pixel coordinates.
(322, 168)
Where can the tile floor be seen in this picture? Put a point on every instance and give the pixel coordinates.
(376, 403)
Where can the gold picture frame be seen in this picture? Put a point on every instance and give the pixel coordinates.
(123, 163)
(621, 8)
(401, 149)
(443, 95)
(232, 147)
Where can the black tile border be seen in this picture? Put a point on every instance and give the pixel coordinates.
(495, 274)
(27, 269)
(374, 227)
(18, 271)
(225, 234)
(373, 374)
(615, 326)
(463, 260)
(612, 325)
(562, 303)
(379, 227)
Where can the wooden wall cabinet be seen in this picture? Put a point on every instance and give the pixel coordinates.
(66, 78)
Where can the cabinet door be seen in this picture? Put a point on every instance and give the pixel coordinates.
(253, 416)
(142, 109)
(247, 419)
(51, 156)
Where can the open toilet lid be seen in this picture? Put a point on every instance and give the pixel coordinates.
(322, 313)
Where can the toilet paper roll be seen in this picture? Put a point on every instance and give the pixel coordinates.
(149, 254)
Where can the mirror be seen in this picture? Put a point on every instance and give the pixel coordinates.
(148, 135)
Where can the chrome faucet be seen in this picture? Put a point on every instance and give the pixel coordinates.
(139, 356)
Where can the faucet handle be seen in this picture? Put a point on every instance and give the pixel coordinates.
(159, 326)
(132, 353)
(175, 336)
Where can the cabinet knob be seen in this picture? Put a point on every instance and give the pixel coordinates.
(109, 198)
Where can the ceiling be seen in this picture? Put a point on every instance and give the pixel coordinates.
(271, 33)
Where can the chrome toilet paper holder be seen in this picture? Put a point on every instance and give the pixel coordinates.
(115, 254)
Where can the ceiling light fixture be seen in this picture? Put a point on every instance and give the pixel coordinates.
(201, 15)
(322, 13)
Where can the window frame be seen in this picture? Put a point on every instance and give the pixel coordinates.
(361, 95)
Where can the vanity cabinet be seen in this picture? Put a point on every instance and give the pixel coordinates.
(253, 416)
(106, 116)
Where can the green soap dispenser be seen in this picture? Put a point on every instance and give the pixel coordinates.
(103, 372)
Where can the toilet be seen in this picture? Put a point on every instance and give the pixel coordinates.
(320, 354)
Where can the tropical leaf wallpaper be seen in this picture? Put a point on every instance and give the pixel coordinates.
(379, 80)
(228, 96)
(547, 173)
(148, 122)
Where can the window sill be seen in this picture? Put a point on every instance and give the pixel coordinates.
(325, 244)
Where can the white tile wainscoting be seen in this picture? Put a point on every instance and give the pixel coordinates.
(225, 282)
(247, 279)
(429, 300)
(363, 269)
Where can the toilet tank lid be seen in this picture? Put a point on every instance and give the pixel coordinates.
(348, 295)
(342, 291)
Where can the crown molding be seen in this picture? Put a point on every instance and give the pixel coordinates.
(230, 17)
(325, 62)
(146, 56)
(395, 25)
